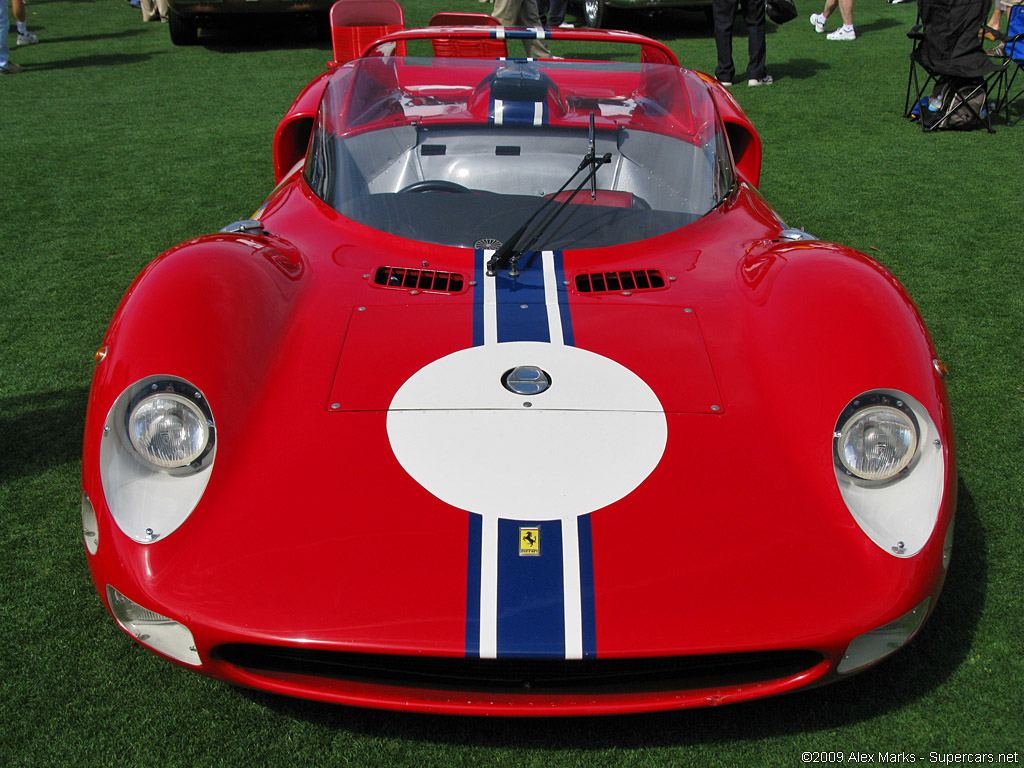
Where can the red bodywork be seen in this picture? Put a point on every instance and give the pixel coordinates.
(311, 535)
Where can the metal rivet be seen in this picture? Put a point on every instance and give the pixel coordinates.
(716, 407)
(335, 406)
(413, 293)
(524, 306)
(426, 263)
(360, 309)
(627, 293)
(527, 405)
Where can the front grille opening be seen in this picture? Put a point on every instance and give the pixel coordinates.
(676, 673)
(623, 280)
(407, 279)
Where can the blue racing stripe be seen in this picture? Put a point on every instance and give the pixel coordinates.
(521, 312)
(473, 567)
(589, 614)
(479, 271)
(531, 602)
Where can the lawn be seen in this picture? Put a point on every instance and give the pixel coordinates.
(116, 145)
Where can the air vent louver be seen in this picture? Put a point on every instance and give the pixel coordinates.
(406, 279)
(617, 282)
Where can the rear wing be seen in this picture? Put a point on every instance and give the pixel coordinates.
(651, 51)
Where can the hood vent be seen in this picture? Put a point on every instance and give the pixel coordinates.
(431, 280)
(617, 282)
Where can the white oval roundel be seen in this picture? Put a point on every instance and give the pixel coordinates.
(587, 441)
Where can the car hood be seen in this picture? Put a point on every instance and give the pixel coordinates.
(418, 505)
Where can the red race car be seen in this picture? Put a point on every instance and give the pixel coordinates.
(515, 397)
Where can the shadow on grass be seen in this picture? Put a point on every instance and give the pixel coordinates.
(82, 62)
(90, 38)
(797, 69)
(922, 666)
(41, 431)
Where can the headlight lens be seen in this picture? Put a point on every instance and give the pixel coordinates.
(168, 430)
(877, 442)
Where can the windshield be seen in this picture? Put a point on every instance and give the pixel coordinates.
(461, 152)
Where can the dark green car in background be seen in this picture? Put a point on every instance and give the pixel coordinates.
(597, 12)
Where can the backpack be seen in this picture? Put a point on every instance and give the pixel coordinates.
(962, 100)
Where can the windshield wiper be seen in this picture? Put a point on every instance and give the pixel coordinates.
(508, 255)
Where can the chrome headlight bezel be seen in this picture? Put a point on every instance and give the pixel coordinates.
(191, 401)
(880, 405)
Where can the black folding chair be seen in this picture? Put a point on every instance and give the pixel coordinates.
(1010, 53)
(965, 82)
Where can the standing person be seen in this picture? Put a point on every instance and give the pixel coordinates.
(522, 13)
(552, 13)
(7, 67)
(157, 11)
(24, 36)
(845, 32)
(724, 14)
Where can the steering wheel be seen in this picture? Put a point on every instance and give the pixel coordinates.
(435, 185)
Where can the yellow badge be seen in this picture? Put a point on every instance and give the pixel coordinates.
(529, 541)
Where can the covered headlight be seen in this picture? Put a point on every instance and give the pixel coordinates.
(877, 442)
(168, 430)
(156, 455)
(890, 465)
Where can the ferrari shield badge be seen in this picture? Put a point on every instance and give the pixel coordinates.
(529, 541)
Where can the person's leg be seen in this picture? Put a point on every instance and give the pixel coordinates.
(819, 19)
(4, 51)
(529, 16)
(506, 11)
(845, 32)
(556, 12)
(24, 36)
(723, 13)
(846, 11)
(753, 16)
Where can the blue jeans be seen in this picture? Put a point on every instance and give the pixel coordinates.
(4, 52)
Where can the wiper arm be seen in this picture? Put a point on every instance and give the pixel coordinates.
(507, 256)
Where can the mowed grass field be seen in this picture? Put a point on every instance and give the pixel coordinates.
(115, 145)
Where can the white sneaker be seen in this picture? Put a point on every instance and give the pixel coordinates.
(818, 20)
(27, 39)
(843, 33)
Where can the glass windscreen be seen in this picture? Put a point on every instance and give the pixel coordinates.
(462, 152)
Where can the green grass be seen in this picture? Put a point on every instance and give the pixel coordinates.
(115, 145)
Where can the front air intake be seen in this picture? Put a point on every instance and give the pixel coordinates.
(624, 280)
(407, 279)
